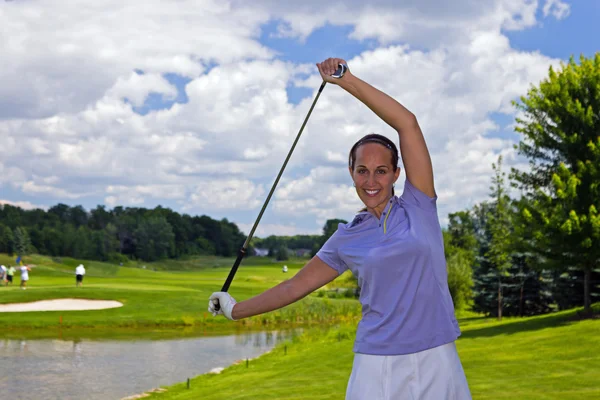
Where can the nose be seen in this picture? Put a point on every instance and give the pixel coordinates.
(371, 180)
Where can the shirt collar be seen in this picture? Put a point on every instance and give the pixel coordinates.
(366, 214)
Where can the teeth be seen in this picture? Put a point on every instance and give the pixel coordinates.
(372, 191)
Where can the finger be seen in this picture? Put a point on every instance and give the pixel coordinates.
(326, 67)
(332, 65)
(321, 67)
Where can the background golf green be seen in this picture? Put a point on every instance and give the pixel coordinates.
(553, 356)
(171, 294)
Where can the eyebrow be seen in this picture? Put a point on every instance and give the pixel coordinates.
(380, 166)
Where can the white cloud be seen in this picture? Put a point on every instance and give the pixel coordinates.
(264, 230)
(559, 9)
(65, 55)
(26, 205)
(32, 188)
(67, 133)
(225, 194)
(137, 87)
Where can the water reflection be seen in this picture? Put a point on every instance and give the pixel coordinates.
(110, 369)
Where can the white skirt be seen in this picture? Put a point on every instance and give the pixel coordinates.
(433, 374)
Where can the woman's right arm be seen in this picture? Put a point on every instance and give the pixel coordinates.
(311, 277)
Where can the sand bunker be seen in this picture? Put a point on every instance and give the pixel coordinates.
(60, 305)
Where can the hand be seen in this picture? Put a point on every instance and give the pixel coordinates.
(328, 67)
(225, 302)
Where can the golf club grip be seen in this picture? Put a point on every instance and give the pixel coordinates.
(231, 275)
(342, 68)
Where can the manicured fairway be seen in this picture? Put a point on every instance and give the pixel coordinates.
(166, 295)
(547, 358)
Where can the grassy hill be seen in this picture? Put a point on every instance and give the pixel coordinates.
(548, 357)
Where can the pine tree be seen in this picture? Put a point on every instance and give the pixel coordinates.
(22, 244)
(498, 253)
(6, 240)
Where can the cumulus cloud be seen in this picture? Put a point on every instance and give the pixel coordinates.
(78, 70)
(559, 9)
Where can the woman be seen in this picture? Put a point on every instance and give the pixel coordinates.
(404, 346)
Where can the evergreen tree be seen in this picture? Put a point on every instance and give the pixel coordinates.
(526, 291)
(6, 240)
(498, 253)
(22, 244)
(485, 275)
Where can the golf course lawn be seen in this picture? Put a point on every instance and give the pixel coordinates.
(171, 294)
(547, 357)
(555, 356)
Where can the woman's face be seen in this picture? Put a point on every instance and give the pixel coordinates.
(374, 175)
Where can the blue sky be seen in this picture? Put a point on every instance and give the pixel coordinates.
(212, 87)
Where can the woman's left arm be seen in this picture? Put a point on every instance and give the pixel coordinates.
(413, 148)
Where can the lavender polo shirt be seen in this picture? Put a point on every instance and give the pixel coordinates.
(401, 269)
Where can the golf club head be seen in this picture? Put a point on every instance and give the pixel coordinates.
(342, 68)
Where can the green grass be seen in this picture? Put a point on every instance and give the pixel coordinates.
(161, 295)
(549, 357)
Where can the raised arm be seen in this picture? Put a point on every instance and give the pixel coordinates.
(311, 277)
(413, 148)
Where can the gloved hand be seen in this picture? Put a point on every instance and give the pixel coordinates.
(226, 303)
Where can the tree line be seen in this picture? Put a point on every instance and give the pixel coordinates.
(115, 235)
(540, 249)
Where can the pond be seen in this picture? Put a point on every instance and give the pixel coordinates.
(113, 369)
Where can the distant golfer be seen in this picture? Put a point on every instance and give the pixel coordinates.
(79, 273)
(3, 275)
(10, 274)
(405, 342)
(24, 276)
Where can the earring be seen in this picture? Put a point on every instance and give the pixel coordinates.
(354, 184)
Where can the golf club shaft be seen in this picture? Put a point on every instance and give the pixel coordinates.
(338, 74)
(242, 251)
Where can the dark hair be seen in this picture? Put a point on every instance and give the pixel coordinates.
(379, 139)
(374, 138)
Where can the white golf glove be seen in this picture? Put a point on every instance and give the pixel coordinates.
(226, 303)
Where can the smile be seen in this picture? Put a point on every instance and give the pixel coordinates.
(372, 193)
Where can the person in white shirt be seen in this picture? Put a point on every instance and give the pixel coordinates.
(24, 276)
(3, 274)
(79, 273)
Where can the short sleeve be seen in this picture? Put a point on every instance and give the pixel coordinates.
(329, 252)
(415, 197)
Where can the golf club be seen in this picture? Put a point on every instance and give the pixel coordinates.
(337, 74)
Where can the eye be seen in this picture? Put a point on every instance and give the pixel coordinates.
(381, 171)
(362, 170)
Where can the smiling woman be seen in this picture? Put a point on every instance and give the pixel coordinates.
(60, 305)
(394, 247)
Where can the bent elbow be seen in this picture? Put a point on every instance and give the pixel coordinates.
(412, 121)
